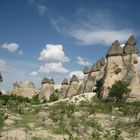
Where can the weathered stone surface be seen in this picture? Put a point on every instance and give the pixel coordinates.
(113, 64)
(45, 80)
(65, 82)
(52, 81)
(130, 47)
(131, 41)
(86, 70)
(47, 88)
(123, 67)
(96, 73)
(115, 50)
(73, 87)
(98, 66)
(93, 68)
(63, 91)
(16, 134)
(89, 84)
(131, 75)
(24, 88)
(74, 78)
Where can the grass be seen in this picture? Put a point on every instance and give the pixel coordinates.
(65, 121)
(39, 138)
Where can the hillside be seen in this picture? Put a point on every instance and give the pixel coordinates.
(82, 117)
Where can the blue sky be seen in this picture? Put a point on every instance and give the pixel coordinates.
(56, 38)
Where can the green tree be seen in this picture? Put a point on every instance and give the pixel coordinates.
(54, 97)
(119, 91)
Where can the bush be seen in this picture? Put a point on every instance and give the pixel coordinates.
(99, 86)
(1, 119)
(119, 91)
(54, 97)
(5, 99)
(35, 99)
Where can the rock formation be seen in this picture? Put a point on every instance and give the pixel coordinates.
(83, 83)
(64, 88)
(96, 73)
(16, 134)
(24, 88)
(73, 87)
(122, 64)
(114, 66)
(47, 88)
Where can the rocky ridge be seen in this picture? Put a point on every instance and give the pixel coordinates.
(121, 63)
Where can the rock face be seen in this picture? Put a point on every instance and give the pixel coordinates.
(16, 134)
(24, 88)
(122, 66)
(64, 88)
(115, 50)
(47, 88)
(86, 72)
(96, 73)
(73, 87)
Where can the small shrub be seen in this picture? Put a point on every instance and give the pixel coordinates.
(54, 97)
(1, 119)
(35, 99)
(119, 91)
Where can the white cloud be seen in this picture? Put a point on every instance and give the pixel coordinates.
(122, 45)
(82, 61)
(42, 9)
(53, 68)
(92, 28)
(34, 73)
(79, 74)
(11, 47)
(2, 65)
(53, 53)
(105, 37)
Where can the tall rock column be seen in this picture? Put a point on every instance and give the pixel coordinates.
(130, 73)
(73, 87)
(83, 83)
(63, 89)
(114, 67)
(47, 88)
(96, 73)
